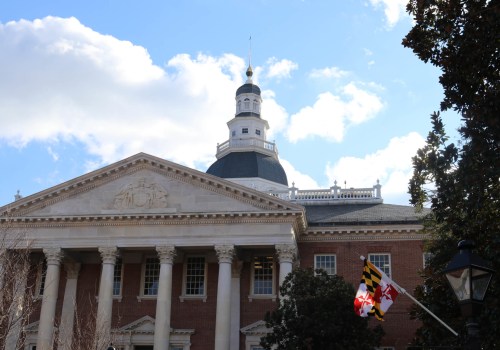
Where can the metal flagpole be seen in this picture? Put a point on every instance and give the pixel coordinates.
(403, 291)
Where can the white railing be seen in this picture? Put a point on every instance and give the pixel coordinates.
(334, 193)
(251, 142)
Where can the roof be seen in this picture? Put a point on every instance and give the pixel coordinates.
(249, 164)
(365, 214)
(248, 88)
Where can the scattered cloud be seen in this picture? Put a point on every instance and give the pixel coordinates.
(394, 10)
(328, 72)
(368, 52)
(330, 115)
(53, 154)
(79, 85)
(280, 69)
(391, 165)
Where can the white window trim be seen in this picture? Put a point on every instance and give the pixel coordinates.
(184, 296)
(118, 296)
(141, 295)
(253, 296)
(390, 261)
(334, 257)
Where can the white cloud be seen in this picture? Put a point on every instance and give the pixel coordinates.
(62, 81)
(274, 113)
(391, 165)
(331, 115)
(295, 177)
(328, 72)
(393, 10)
(280, 69)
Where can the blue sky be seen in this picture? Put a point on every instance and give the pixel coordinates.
(86, 83)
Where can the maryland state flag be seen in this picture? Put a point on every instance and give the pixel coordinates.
(376, 293)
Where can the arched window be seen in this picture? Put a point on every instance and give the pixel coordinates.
(255, 106)
(247, 104)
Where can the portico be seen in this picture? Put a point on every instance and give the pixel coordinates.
(162, 237)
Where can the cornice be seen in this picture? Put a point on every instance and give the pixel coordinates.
(344, 234)
(154, 219)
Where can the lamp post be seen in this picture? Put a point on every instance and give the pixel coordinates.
(469, 276)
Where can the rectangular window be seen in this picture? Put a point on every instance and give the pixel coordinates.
(117, 278)
(263, 268)
(256, 347)
(151, 276)
(325, 262)
(382, 261)
(426, 258)
(233, 133)
(42, 274)
(257, 132)
(244, 130)
(195, 276)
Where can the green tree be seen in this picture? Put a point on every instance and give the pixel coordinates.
(316, 312)
(461, 182)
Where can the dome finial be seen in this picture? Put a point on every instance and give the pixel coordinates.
(249, 69)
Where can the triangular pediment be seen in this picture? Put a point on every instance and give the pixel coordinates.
(147, 185)
(144, 324)
(256, 328)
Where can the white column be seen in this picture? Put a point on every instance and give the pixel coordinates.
(105, 301)
(223, 318)
(68, 308)
(164, 298)
(286, 255)
(49, 299)
(235, 303)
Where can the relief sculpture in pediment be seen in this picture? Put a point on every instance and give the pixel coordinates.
(141, 194)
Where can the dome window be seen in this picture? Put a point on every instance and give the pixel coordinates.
(247, 103)
(255, 105)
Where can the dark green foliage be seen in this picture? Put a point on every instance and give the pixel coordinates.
(460, 181)
(316, 312)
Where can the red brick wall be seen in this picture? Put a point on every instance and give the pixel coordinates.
(406, 260)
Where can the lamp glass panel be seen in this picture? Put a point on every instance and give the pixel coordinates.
(480, 281)
(460, 282)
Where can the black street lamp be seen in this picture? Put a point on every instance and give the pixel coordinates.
(469, 277)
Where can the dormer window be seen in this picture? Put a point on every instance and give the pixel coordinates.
(255, 106)
(244, 131)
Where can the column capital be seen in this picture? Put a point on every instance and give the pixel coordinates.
(72, 270)
(108, 254)
(286, 252)
(166, 253)
(53, 255)
(225, 253)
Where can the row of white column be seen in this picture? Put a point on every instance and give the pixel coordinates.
(226, 334)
